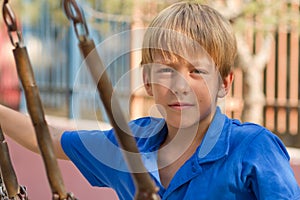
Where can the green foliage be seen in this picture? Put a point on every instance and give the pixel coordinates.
(117, 7)
(266, 15)
(28, 11)
(57, 13)
(263, 15)
(31, 11)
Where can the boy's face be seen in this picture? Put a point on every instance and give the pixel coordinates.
(185, 92)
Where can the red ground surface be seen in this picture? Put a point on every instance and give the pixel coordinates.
(31, 173)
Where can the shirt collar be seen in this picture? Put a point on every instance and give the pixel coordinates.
(215, 143)
(152, 134)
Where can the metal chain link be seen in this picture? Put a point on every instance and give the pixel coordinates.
(75, 14)
(11, 24)
(3, 193)
(23, 193)
(21, 196)
(70, 196)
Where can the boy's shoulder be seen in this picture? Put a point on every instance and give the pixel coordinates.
(248, 129)
(254, 137)
(250, 126)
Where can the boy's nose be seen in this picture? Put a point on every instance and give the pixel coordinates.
(180, 84)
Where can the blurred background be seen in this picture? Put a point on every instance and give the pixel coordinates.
(266, 89)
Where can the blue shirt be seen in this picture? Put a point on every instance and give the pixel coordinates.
(234, 161)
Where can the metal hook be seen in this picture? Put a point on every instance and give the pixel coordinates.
(9, 17)
(11, 24)
(74, 13)
(70, 6)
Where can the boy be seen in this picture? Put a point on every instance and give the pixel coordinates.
(194, 152)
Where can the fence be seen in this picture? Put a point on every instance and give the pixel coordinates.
(66, 88)
(282, 88)
(281, 84)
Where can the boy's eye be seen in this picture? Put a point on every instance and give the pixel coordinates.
(165, 70)
(198, 71)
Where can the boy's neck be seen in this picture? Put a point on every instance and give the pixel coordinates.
(178, 147)
(181, 141)
(188, 134)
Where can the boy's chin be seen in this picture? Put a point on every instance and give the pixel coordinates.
(184, 123)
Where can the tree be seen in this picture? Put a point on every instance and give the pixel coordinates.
(264, 17)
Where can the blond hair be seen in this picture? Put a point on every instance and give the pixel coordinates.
(199, 23)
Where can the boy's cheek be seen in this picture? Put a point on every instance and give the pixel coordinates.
(160, 82)
(160, 90)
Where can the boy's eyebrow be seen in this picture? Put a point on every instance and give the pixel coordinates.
(202, 62)
(202, 59)
(196, 64)
(164, 62)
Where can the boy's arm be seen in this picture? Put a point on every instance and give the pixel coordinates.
(19, 127)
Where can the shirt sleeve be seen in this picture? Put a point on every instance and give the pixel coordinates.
(95, 155)
(267, 171)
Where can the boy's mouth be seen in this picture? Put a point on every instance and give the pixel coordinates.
(180, 105)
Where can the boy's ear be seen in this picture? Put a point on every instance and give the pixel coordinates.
(226, 85)
(147, 83)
